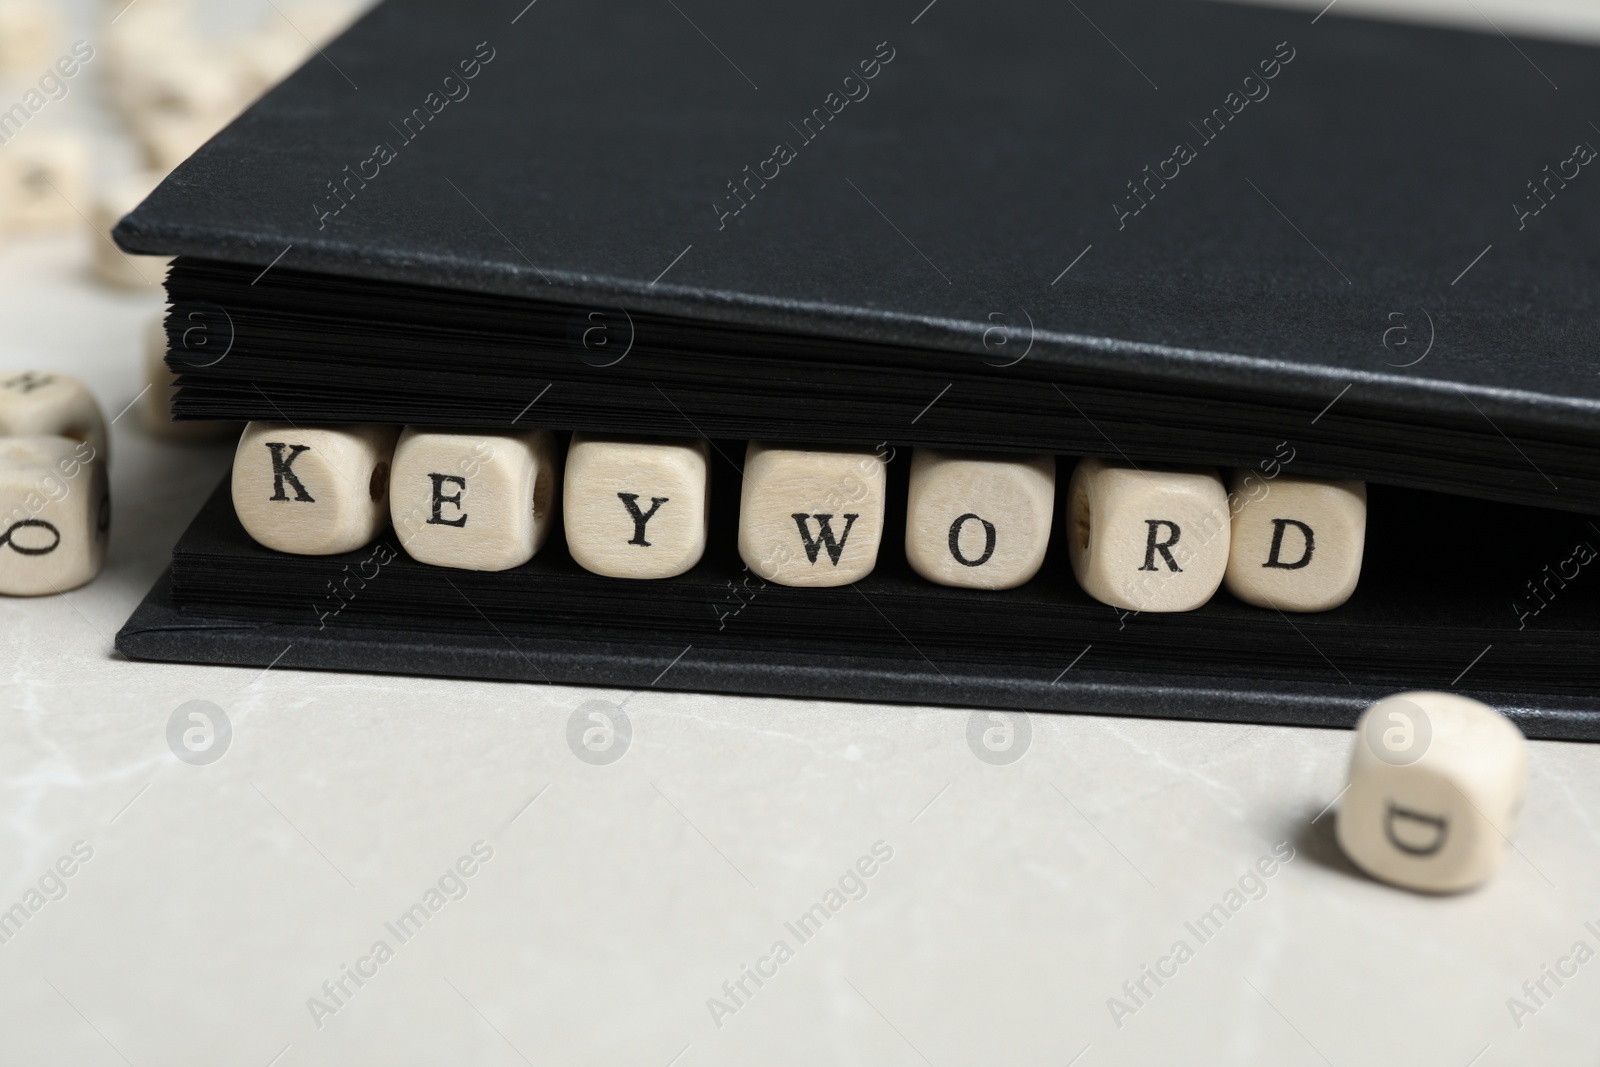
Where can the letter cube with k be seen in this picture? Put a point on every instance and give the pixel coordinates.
(636, 507)
(1151, 539)
(313, 490)
(473, 501)
(811, 516)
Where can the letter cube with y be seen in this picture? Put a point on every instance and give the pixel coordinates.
(473, 501)
(55, 515)
(636, 508)
(977, 520)
(1147, 540)
(43, 178)
(1436, 785)
(312, 490)
(1296, 542)
(811, 517)
(46, 402)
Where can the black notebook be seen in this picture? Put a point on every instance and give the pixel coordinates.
(1161, 230)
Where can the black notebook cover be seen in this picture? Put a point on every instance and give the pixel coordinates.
(1222, 227)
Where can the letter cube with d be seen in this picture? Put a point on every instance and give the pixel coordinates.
(48, 402)
(55, 515)
(1296, 542)
(1436, 785)
(1147, 540)
(636, 508)
(979, 520)
(811, 517)
(473, 501)
(312, 490)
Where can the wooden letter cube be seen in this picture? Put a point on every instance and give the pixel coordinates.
(1147, 540)
(30, 34)
(473, 501)
(811, 517)
(312, 490)
(1436, 785)
(156, 402)
(43, 180)
(55, 515)
(45, 402)
(112, 265)
(979, 520)
(1297, 542)
(636, 508)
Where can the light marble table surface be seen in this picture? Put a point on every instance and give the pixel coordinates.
(612, 910)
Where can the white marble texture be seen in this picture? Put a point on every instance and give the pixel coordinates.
(1018, 899)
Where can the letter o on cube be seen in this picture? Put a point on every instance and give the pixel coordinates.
(1147, 540)
(1298, 545)
(473, 501)
(46, 402)
(55, 515)
(636, 507)
(811, 517)
(1436, 785)
(979, 520)
(312, 490)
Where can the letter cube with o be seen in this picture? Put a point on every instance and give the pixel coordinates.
(312, 490)
(473, 501)
(55, 515)
(36, 402)
(811, 517)
(979, 520)
(1147, 540)
(1296, 543)
(636, 508)
(1436, 785)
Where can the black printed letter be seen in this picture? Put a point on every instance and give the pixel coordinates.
(1278, 526)
(1152, 546)
(631, 502)
(955, 541)
(440, 500)
(824, 535)
(280, 471)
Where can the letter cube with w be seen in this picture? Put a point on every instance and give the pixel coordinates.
(811, 517)
(312, 491)
(636, 507)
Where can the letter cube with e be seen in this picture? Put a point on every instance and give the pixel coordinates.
(55, 515)
(312, 490)
(1147, 540)
(1436, 785)
(473, 501)
(979, 520)
(811, 517)
(1296, 543)
(47, 402)
(636, 508)
(43, 175)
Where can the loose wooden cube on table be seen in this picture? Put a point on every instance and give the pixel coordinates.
(1296, 543)
(313, 490)
(1154, 539)
(36, 402)
(811, 517)
(473, 501)
(44, 176)
(55, 514)
(979, 520)
(1436, 786)
(636, 507)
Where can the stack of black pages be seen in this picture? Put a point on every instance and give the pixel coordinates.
(1160, 231)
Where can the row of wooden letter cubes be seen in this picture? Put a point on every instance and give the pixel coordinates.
(1141, 539)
